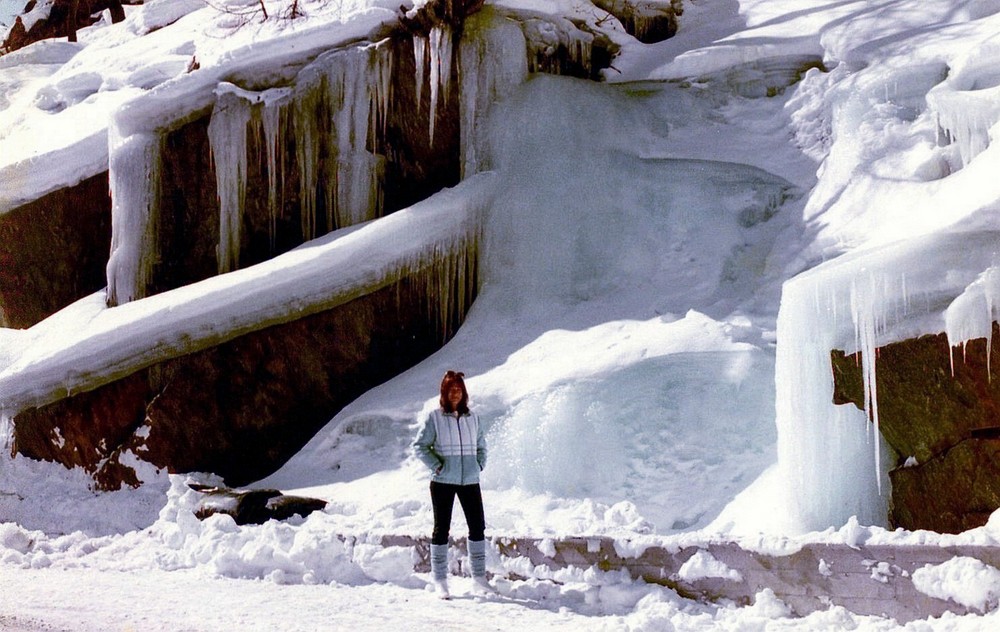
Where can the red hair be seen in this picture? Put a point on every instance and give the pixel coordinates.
(454, 378)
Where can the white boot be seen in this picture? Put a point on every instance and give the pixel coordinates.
(477, 560)
(441, 589)
(439, 570)
(481, 586)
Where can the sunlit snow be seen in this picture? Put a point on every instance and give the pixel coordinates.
(669, 257)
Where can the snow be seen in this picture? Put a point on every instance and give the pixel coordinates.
(703, 565)
(964, 580)
(668, 260)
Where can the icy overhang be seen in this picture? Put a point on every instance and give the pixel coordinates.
(832, 459)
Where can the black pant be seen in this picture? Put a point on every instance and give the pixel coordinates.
(443, 499)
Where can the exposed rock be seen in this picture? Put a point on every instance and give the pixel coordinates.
(61, 21)
(952, 492)
(926, 404)
(54, 251)
(421, 19)
(932, 400)
(240, 409)
(649, 22)
(254, 506)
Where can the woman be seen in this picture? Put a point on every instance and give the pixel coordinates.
(453, 445)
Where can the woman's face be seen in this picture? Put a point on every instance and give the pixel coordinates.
(454, 395)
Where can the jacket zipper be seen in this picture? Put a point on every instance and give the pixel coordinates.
(461, 449)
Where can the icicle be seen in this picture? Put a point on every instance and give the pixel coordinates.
(227, 133)
(865, 304)
(493, 60)
(965, 117)
(441, 56)
(272, 120)
(420, 66)
(358, 85)
(134, 172)
(6, 434)
(309, 92)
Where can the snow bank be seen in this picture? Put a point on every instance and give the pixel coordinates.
(964, 580)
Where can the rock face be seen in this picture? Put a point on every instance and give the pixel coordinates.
(54, 251)
(939, 406)
(241, 409)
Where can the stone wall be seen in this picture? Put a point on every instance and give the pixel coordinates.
(940, 406)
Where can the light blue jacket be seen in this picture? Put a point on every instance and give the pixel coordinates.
(453, 446)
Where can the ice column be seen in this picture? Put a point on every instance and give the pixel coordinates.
(272, 121)
(420, 66)
(6, 434)
(134, 172)
(359, 101)
(824, 450)
(309, 92)
(238, 112)
(227, 133)
(441, 55)
(492, 61)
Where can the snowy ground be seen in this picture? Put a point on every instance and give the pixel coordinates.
(627, 375)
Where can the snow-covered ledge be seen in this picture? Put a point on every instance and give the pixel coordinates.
(88, 345)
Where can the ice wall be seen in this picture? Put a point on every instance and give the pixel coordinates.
(831, 458)
(339, 107)
(492, 61)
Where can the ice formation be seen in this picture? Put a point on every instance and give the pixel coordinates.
(972, 313)
(492, 61)
(341, 105)
(441, 56)
(826, 451)
(227, 133)
(135, 193)
(967, 104)
(238, 113)
(420, 66)
(273, 118)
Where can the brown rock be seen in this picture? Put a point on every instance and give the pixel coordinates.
(54, 251)
(953, 492)
(935, 403)
(924, 406)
